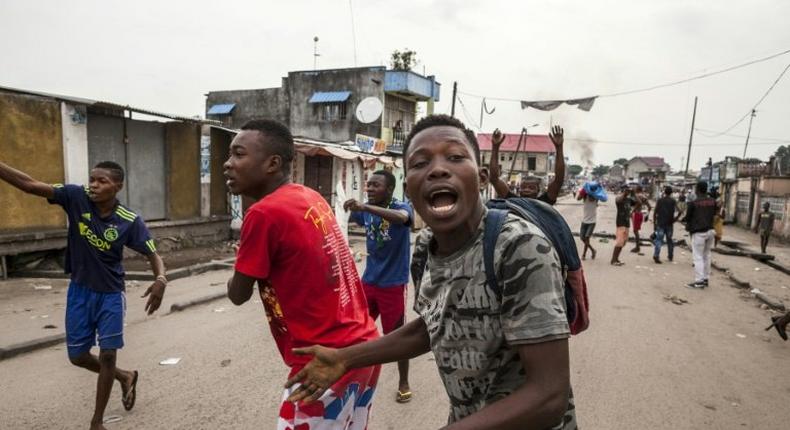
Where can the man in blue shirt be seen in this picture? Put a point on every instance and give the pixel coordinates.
(387, 223)
(99, 228)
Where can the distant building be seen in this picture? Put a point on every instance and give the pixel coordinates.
(535, 157)
(617, 174)
(645, 169)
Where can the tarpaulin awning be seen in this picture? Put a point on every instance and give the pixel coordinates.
(584, 104)
(330, 97)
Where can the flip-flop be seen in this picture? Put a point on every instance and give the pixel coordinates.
(130, 395)
(618, 263)
(403, 397)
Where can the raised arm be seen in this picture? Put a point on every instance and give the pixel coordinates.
(557, 138)
(24, 182)
(500, 186)
(395, 216)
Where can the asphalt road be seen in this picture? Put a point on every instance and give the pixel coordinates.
(645, 363)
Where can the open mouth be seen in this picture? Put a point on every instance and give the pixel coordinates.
(443, 201)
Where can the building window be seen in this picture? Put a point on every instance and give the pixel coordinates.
(330, 111)
(532, 163)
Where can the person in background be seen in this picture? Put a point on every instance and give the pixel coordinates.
(589, 218)
(624, 202)
(637, 216)
(699, 223)
(765, 225)
(664, 218)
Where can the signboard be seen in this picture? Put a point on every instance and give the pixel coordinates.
(370, 145)
(205, 159)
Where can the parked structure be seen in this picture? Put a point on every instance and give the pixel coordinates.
(58, 138)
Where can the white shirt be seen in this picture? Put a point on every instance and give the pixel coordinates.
(590, 211)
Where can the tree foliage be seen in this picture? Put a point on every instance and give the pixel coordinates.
(575, 169)
(403, 60)
(782, 155)
(600, 170)
(621, 161)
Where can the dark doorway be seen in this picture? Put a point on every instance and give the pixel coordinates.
(318, 175)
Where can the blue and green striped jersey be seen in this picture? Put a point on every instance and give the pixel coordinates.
(94, 252)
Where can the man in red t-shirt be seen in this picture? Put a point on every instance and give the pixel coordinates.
(292, 247)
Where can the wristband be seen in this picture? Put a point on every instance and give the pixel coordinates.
(162, 279)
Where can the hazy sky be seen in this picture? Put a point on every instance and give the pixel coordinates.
(165, 55)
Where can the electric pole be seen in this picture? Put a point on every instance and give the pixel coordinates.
(691, 138)
(748, 133)
(455, 91)
(315, 53)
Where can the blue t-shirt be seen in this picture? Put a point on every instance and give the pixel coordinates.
(388, 247)
(95, 245)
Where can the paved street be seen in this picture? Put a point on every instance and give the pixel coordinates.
(645, 363)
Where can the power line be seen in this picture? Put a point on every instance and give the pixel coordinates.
(654, 87)
(617, 142)
(753, 108)
(468, 115)
(710, 133)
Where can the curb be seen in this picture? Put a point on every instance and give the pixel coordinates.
(180, 306)
(32, 345)
(46, 342)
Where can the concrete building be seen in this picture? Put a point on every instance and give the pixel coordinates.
(643, 169)
(535, 157)
(322, 106)
(57, 139)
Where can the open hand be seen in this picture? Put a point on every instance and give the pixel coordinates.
(352, 205)
(155, 293)
(326, 367)
(557, 136)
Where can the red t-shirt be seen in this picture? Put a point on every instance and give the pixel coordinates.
(309, 284)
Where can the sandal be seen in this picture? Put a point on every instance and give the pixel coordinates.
(403, 396)
(130, 395)
(779, 327)
(618, 263)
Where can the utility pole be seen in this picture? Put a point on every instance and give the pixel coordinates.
(691, 138)
(748, 133)
(455, 92)
(315, 53)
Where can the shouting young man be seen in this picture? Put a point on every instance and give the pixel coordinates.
(638, 216)
(292, 247)
(503, 357)
(99, 228)
(387, 223)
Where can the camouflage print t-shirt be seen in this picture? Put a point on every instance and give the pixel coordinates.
(474, 332)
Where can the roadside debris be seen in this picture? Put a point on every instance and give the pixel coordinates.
(112, 419)
(42, 287)
(224, 363)
(50, 326)
(170, 361)
(675, 299)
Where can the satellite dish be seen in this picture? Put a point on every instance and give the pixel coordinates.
(369, 110)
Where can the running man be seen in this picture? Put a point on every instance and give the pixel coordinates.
(503, 359)
(623, 202)
(638, 217)
(292, 247)
(99, 228)
(387, 223)
(530, 185)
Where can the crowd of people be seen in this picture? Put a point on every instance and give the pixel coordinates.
(502, 357)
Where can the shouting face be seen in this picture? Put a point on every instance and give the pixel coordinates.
(103, 185)
(443, 178)
(529, 189)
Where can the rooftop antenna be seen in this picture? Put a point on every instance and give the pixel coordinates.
(315, 53)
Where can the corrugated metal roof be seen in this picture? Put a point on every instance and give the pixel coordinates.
(330, 97)
(222, 109)
(535, 143)
(107, 105)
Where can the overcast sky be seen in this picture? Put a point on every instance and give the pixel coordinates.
(165, 55)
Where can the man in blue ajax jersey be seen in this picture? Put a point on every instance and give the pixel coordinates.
(99, 228)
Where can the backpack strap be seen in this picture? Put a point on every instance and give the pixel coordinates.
(495, 219)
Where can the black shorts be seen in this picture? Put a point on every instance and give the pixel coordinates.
(586, 231)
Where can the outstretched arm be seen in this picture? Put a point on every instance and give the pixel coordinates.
(557, 138)
(24, 182)
(328, 364)
(501, 188)
(395, 216)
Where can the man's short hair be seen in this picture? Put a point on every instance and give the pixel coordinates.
(114, 168)
(667, 190)
(439, 120)
(389, 178)
(702, 187)
(278, 138)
